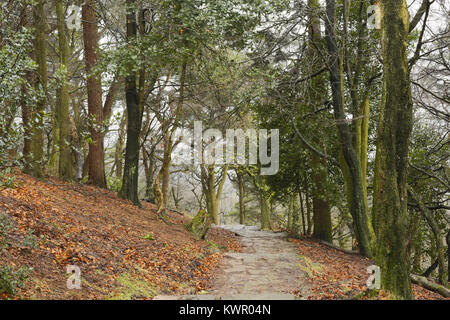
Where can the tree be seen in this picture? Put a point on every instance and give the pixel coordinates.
(94, 91)
(240, 182)
(26, 108)
(134, 111)
(212, 188)
(62, 105)
(321, 206)
(169, 125)
(395, 124)
(40, 54)
(358, 209)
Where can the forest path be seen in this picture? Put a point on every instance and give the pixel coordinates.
(267, 269)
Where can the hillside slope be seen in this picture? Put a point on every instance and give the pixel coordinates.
(123, 252)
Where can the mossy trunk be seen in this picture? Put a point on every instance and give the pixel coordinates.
(37, 116)
(354, 181)
(360, 133)
(365, 113)
(265, 212)
(240, 180)
(394, 129)
(167, 160)
(212, 195)
(200, 224)
(360, 141)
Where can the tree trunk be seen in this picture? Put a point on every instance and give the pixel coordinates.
(321, 207)
(240, 181)
(390, 211)
(302, 211)
(94, 91)
(149, 166)
(440, 248)
(209, 189)
(265, 212)
(364, 113)
(118, 154)
(79, 140)
(308, 212)
(27, 110)
(447, 238)
(424, 282)
(167, 160)
(129, 188)
(363, 227)
(290, 212)
(40, 53)
(169, 143)
(65, 169)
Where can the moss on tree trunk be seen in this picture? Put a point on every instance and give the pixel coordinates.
(394, 129)
(37, 119)
(200, 224)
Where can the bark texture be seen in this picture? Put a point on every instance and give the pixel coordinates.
(65, 167)
(363, 227)
(129, 188)
(37, 116)
(390, 212)
(94, 91)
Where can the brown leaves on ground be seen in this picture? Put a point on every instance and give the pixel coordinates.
(336, 275)
(115, 244)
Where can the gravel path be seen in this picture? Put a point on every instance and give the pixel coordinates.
(267, 269)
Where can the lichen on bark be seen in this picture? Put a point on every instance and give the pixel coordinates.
(200, 224)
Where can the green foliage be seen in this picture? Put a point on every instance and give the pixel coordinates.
(30, 240)
(149, 236)
(11, 279)
(114, 183)
(133, 288)
(7, 179)
(15, 46)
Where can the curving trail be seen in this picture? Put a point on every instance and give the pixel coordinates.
(267, 269)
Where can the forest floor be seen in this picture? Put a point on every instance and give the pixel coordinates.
(271, 266)
(125, 252)
(266, 269)
(336, 275)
